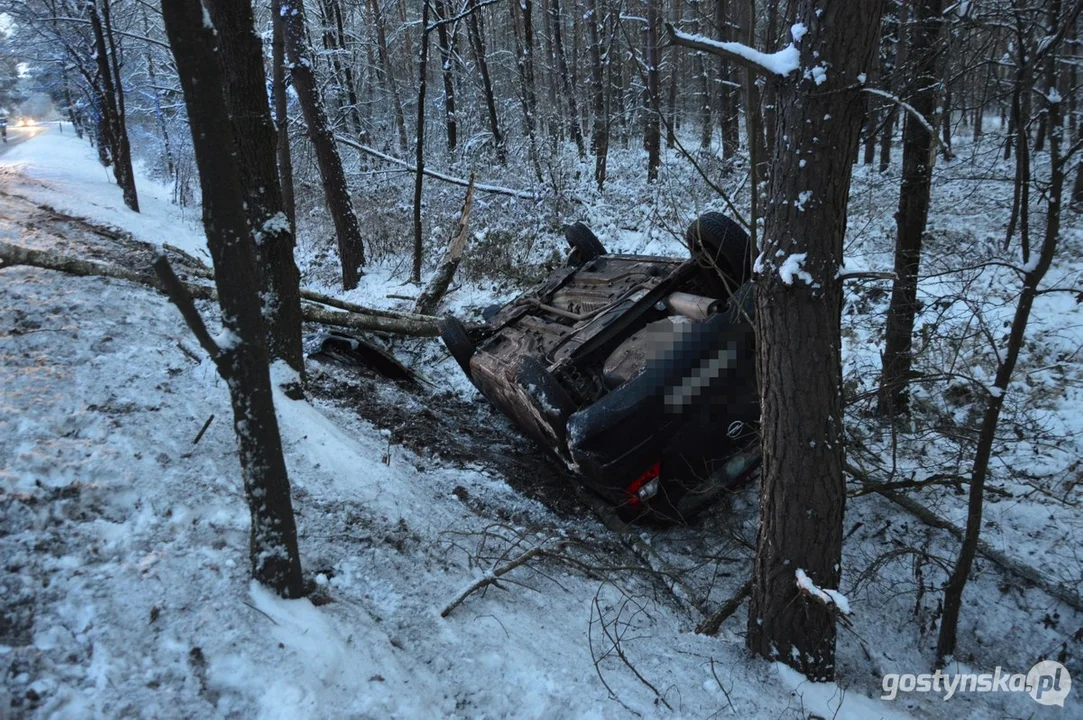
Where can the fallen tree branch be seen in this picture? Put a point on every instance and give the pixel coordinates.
(714, 621)
(491, 578)
(1055, 588)
(200, 269)
(355, 317)
(495, 189)
(648, 555)
(430, 298)
(178, 293)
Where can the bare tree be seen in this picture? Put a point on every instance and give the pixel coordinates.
(475, 30)
(419, 175)
(652, 139)
(387, 74)
(240, 55)
(447, 57)
(242, 360)
(924, 51)
(112, 103)
(281, 101)
(599, 137)
(1032, 274)
(336, 191)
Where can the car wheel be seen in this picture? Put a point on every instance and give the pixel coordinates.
(718, 242)
(458, 343)
(585, 244)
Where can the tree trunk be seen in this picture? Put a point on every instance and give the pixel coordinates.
(475, 31)
(350, 250)
(419, 176)
(388, 74)
(112, 112)
(727, 89)
(953, 592)
(523, 30)
(701, 77)
(652, 139)
(240, 56)
(159, 116)
(599, 136)
(243, 361)
(567, 80)
(282, 131)
(798, 338)
(912, 216)
(446, 60)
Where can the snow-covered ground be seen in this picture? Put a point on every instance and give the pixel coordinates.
(124, 590)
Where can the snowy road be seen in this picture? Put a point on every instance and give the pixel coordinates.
(18, 135)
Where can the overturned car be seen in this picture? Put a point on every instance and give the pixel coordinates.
(637, 372)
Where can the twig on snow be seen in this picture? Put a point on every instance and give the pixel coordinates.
(491, 577)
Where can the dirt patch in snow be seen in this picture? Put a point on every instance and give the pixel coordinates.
(460, 432)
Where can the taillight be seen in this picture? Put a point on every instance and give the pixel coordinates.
(644, 487)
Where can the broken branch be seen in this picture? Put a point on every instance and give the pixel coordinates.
(430, 298)
(491, 578)
(1058, 589)
(356, 317)
(711, 624)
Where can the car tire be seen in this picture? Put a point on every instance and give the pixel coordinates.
(458, 343)
(585, 244)
(719, 243)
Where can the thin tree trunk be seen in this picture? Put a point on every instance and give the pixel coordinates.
(727, 92)
(281, 100)
(273, 552)
(953, 592)
(702, 80)
(475, 30)
(799, 339)
(388, 74)
(446, 60)
(914, 196)
(240, 55)
(599, 137)
(523, 30)
(567, 80)
(652, 139)
(159, 116)
(351, 85)
(112, 113)
(351, 252)
(419, 176)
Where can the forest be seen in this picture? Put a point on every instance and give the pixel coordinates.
(406, 252)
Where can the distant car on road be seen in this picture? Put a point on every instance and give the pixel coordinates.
(637, 372)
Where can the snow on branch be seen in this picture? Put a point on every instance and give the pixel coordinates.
(833, 600)
(783, 62)
(481, 187)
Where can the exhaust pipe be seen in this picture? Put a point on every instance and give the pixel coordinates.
(693, 307)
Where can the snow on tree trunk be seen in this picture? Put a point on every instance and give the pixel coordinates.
(241, 357)
(240, 56)
(798, 334)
